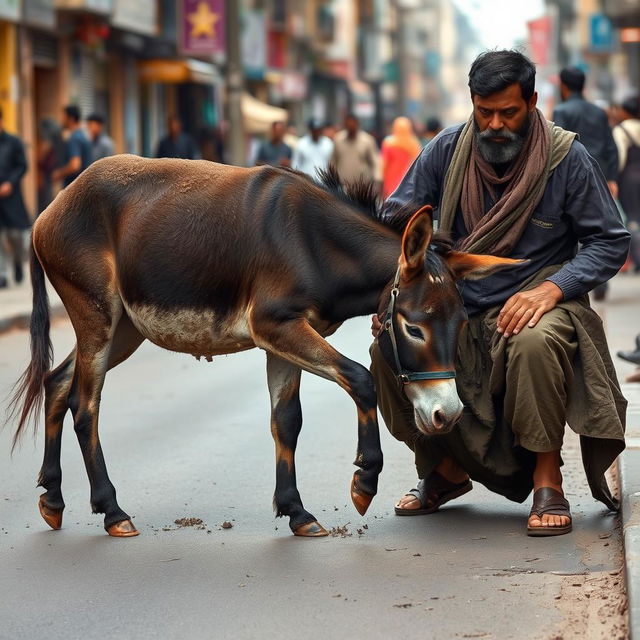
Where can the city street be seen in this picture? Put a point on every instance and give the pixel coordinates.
(188, 439)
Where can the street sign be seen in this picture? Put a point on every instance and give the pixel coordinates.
(600, 33)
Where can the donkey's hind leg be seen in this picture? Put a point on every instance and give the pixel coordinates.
(286, 420)
(103, 341)
(57, 386)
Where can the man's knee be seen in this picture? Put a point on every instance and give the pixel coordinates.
(550, 336)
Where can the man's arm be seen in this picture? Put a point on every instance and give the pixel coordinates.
(75, 161)
(603, 240)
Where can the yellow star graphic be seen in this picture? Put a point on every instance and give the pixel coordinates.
(203, 21)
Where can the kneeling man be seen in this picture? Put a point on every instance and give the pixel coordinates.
(533, 356)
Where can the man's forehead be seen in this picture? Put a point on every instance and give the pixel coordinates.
(511, 96)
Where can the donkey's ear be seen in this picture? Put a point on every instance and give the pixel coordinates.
(474, 266)
(415, 241)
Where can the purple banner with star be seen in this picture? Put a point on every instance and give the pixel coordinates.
(201, 27)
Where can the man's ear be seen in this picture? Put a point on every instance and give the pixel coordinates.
(533, 101)
(474, 266)
(415, 242)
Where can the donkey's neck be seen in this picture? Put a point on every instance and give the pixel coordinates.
(364, 268)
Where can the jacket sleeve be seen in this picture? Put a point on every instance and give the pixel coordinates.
(597, 225)
(19, 164)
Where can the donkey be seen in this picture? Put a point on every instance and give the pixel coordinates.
(209, 259)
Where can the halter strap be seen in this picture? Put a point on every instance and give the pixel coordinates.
(403, 376)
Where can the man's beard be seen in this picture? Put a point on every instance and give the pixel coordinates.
(500, 152)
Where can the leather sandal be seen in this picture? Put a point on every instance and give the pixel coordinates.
(432, 492)
(551, 502)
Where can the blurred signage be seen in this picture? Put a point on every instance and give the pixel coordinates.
(201, 25)
(93, 6)
(10, 9)
(540, 39)
(140, 16)
(630, 34)
(600, 33)
(293, 85)
(40, 13)
(254, 43)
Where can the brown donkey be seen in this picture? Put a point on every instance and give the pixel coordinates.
(208, 259)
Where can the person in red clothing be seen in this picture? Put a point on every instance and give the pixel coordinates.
(399, 150)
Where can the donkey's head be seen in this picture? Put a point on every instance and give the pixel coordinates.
(423, 319)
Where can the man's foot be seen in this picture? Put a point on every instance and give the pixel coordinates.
(430, 494)
(550, 514)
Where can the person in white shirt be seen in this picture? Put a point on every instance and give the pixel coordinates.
(313, 151)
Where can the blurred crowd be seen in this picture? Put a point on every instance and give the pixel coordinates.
(67, 147)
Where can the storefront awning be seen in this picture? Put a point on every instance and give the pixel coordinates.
(258, 116)
(178, 71)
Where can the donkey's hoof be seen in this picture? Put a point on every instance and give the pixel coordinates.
(53, 517)
(311, 530)
(123, 529)
(361, 500)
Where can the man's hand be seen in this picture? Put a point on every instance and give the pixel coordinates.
(613, 188)
(5, 189)
(376, 326)
(527, 307)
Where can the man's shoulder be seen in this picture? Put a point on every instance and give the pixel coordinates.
(577, 161)
(443, 144)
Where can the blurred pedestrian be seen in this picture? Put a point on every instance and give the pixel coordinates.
(101, 144)
(627, 137)
(49, 156)
(177, 143)
(399, 150)
(432, 128)
(13, 215)
(313, 151)
(591, 123)
(77, 149)
(275, 151)
(355, 154)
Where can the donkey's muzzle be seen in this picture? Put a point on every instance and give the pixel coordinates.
(437, 407)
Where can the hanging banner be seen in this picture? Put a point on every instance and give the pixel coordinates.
(201, 27)
(540, 39)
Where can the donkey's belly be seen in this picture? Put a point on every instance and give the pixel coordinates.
(190, 330)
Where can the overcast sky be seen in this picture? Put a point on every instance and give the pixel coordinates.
(501, 23)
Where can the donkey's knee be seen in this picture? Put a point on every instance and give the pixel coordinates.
(360, 384)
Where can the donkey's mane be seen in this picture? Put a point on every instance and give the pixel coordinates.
(361, 195)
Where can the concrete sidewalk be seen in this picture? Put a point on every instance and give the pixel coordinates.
(621, 317)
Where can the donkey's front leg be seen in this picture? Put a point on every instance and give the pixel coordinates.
(297, 342)
(286, 421)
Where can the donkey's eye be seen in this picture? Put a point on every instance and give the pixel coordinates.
(414, 331)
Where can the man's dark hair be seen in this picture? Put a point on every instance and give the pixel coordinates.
(95, 117)
(494, 71)
(631, 105)
(433, 124)
(73, 112)
(573, 78)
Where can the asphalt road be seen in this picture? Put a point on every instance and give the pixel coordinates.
(191, 439)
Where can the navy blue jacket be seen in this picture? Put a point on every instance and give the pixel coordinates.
(13, 165)
(576, 222)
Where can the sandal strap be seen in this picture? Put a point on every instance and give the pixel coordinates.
(431, 489)
(549, 501)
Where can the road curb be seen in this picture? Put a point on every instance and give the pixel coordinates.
(21, 320)
(629, 477)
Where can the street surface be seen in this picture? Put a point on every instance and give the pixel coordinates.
(188, 439)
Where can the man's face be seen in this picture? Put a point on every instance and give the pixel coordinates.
(351, 125)
(501, 123)
(94, 128)
(277, 131)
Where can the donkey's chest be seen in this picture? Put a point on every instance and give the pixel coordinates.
(194, 331)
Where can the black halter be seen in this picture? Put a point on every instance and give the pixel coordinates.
(403, 376)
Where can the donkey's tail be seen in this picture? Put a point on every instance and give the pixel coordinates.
(28, 391)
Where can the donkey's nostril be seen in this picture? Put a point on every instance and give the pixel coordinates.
(438, 418)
